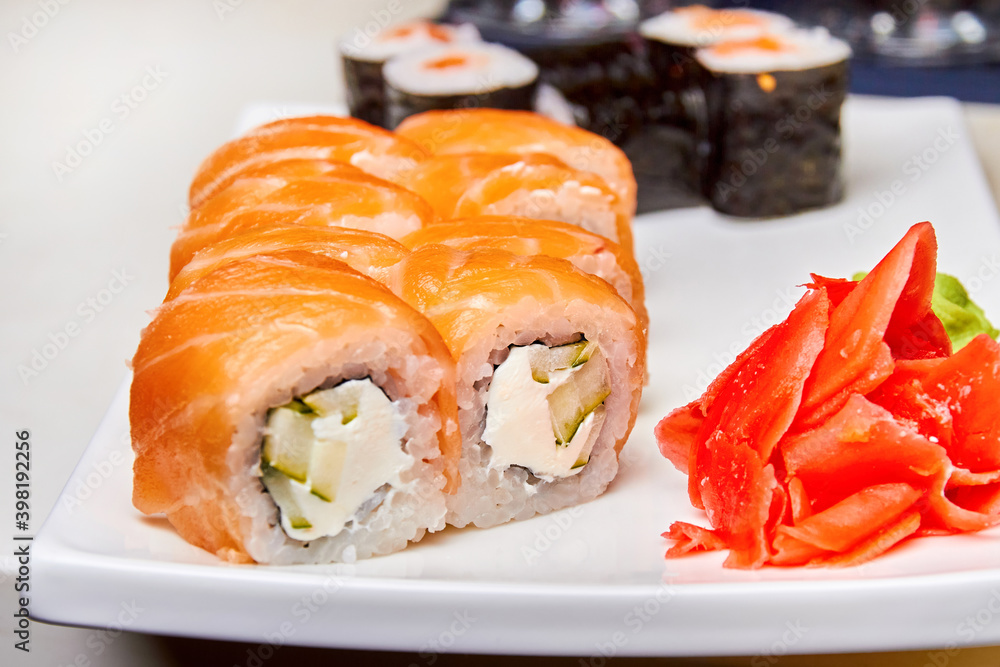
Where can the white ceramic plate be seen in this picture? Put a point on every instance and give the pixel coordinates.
(592, 580)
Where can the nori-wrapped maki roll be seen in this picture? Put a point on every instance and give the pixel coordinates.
(672, 38)
(611, 90)
(365, 54)
(675, 121)
(604, 79)
(475, 75)
(774, 122)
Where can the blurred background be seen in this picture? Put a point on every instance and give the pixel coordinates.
(912, 47)
(110, 108)
(901, 47)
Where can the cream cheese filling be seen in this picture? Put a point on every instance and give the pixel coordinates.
(328, 458)
(544, 408)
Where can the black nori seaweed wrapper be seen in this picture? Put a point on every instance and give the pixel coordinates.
(672, 144)
(605, 81)
(676, 71)
(774, 152)
(614, 93)
(664, 161)
(365, 89)
(400, 104)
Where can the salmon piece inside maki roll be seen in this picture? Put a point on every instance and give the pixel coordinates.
(699, 26)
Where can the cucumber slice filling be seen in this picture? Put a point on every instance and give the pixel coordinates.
(330, 455)
(545, 408)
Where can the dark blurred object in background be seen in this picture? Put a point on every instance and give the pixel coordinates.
(534, 20)
(908, 48)
(907, 32)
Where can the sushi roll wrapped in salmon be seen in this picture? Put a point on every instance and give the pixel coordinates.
(499, 131)
(287, 409)
(550, 365)
(340, 197)
(589, 252)
(535, 185)
(370, 148)
(366, 252)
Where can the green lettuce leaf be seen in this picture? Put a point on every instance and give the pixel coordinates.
(962, 319)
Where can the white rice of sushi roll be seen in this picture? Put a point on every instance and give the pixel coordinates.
(365, 52)
(701, 26)
(401, 510)
(793, 51)
(494, 492)
(550, 367)
(460, 69)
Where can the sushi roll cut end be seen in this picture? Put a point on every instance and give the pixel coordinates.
(545, 408)
(794, 51)
(364, 54)
(332, 456)
(698, 26)
(466, 69)
(409, 36)
(334, 440)
(458, 77)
